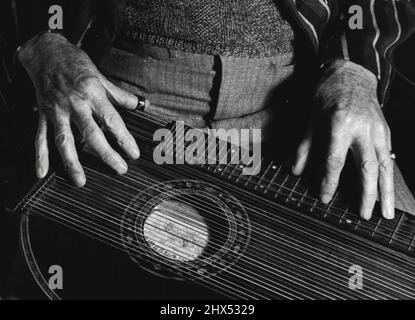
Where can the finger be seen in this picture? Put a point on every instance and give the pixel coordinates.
(97, 141)
(41, 146)
(369, 168)
(336, 158)
(119, 96)
(386, 183)
(113, 122)
(303, 153)
(65, 144)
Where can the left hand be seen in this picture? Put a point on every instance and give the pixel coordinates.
(347, 100)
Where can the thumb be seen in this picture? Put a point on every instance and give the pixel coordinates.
(303, 153)
(118, 96)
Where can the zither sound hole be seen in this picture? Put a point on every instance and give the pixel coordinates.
(184, 231)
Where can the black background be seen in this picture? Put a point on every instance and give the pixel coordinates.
(17, 120)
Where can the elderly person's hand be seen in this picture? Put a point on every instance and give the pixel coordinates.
(70, 89)
(346, 99)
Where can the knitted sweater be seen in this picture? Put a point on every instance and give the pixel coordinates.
(242, 28)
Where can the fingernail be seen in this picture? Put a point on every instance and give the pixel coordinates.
(293, 169)
(389, 214)
(326, 198)
(79, 180)
(41, 172)
(121, 168)
(366, 215)
(296, 170)
(135, 152)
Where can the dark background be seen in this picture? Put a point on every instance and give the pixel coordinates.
(17, 118)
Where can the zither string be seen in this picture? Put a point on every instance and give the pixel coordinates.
(315, 201)
(262, 243)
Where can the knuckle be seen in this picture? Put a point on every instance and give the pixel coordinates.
(385, 166)
(329, 186)
(334, 163)
(370, 167)
(61, 139)
(87, 85)
(124, 141)
(108, 157)
(382, 129)
(89, 131)
(339, 119)
(346, 119)
(69, 165)
(111, 119)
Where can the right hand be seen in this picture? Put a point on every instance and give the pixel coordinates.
(70, 89)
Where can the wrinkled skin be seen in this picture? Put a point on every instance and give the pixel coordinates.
(70, 89)
(346, 101)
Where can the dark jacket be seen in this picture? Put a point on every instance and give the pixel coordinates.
(387, 23)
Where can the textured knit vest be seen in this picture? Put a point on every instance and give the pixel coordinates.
(241, 28)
